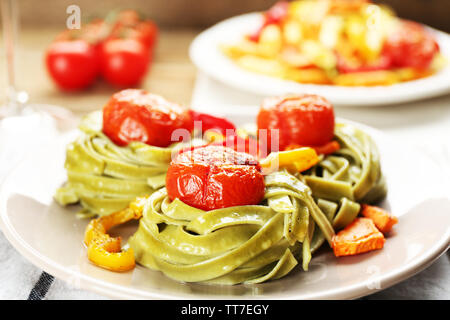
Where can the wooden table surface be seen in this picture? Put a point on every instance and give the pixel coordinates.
(172, 75)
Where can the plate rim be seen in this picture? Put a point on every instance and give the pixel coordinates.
(195, 54)
(117, 291)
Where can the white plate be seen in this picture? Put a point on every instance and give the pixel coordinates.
(206, 55)
(51, 236)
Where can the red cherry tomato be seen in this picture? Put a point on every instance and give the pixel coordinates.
(410, 45)
(72, 64)
(306, 120)
(137, 115)
(124, 62)
(215, 177)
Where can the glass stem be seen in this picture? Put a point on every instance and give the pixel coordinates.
(10, 30)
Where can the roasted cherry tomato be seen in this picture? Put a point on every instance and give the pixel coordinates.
(272, 16)
(305, 120)
(72, 64)
(124, 62)
(411, 45)
(215, 177)
(137, 115)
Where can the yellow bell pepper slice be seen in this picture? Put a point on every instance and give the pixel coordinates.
(105, 251)
(102, 254)
(299, 160)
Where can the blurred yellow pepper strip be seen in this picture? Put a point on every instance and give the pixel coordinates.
(298, 160)
(105, 251)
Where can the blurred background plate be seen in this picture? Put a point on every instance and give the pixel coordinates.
(206, 55)
(51, 236)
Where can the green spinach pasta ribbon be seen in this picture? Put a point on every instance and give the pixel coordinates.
(249, 244)
(353, 172)
(105, 177)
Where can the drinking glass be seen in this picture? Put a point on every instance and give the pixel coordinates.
(24, 127)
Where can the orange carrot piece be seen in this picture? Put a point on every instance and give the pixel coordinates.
(327, 148)
(383, 219)
(358, 237)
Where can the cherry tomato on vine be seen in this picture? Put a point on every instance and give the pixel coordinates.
(124, 62)
(72, 64)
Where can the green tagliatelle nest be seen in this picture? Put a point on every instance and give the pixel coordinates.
(353, 172)
(257, 243)
(105, 177)
(231, 245)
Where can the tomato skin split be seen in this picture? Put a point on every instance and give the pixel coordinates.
(214, 177)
